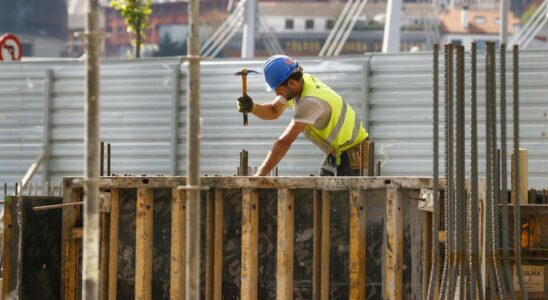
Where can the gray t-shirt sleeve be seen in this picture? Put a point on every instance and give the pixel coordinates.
(307, 111)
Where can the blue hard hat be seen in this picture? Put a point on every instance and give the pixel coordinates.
(277, 69)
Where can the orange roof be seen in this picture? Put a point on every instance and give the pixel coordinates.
(479, 21)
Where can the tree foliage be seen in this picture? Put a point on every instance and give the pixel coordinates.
(135, 14)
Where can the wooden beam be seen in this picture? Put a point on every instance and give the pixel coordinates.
(357, 248)
(143, 245)
(426, 251)
(104, 256)
(69, 245)
(316, 244)
(250, 240)
(393, 264)
(285, 245)
(11, 286)
(218, 245)
(178, 244)
(210, 232)
(523, 177)
(113, 244)
(326, 245)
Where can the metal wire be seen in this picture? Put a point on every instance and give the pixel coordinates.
(433, 287)
(444, 279)
(503, 175)
(517, 213)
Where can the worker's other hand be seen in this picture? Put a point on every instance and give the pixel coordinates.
(245, 104)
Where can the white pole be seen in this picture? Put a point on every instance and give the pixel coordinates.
(248, 36)
(391, 40)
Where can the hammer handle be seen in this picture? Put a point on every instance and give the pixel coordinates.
(244, 92)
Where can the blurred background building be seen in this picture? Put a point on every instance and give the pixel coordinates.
(47, 27)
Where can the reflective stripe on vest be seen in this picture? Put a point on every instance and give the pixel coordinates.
(335, 137)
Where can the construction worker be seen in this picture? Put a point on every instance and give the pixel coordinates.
(319, 112)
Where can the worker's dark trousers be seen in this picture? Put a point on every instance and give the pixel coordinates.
(329, 166)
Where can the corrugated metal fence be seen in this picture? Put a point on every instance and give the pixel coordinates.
(143, 114)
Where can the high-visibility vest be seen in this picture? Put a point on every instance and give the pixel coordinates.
(344, 130)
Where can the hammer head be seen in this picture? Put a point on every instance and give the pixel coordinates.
(244, 72)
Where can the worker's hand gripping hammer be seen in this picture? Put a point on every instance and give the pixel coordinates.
(243, 72)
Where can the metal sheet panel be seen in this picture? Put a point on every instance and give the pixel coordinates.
(137, 106)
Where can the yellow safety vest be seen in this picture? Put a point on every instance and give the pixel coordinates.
(344, 130)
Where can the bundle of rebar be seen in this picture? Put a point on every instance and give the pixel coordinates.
(461, 276)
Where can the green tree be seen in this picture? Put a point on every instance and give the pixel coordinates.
(135, 14)
(169, 47)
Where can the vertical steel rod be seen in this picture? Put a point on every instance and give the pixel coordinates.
(434, 287)
(445, 273)
(504, 175)
(489, 222)
(102, 160)
(451, 233)
(193, 156)
(517, 213)
(108, 159)
(460, 208)
(476, 282)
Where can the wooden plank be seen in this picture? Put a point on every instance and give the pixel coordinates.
(316, 245)
(285, 245)
(250, 240)
(69, 245)
(426, 251)
(523, 177)
(393, 265)
(326, 245)
(356, 228)
(113, 244)
(104, 256)
(11, 264)
(143, 245)
(218, 254)
(210, 232)
(178, 244)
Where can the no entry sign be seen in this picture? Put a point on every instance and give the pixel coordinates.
(10, 48)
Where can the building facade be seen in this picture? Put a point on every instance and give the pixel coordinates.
(40, 25)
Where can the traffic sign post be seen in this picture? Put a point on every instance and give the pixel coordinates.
(10, 48)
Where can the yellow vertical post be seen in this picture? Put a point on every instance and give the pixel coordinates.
(393, 265)
(285, 245)
(178, 245)
(250, 240)
(69, 258)
(357, 254)
(143, 245)
(113, 243)
(326, 208)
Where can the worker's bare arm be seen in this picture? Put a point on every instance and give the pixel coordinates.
(280, 147)
(269, 111)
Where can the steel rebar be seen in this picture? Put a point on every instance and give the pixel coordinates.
(434, 287)
(476, 283)
(517, 213)
(504, 175)
(460, 202)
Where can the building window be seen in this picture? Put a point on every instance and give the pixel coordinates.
(497, 21)
(309, 24)
(289, 24)
(479, 20)
(329, 24)
(456, 42)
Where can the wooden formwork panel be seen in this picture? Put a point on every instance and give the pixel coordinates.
(301, 238)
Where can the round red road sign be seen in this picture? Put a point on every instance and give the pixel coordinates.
(10, 48)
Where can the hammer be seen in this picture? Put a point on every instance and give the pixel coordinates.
(243, 72)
